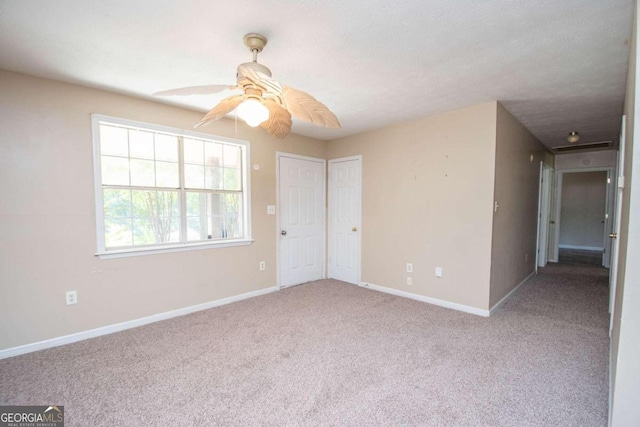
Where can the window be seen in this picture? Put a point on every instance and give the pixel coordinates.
(161, 189)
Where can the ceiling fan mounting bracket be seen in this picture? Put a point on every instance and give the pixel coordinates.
(255, 42)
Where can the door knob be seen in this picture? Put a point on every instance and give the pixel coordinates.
(613, 235)
(283, 232)
(354, 229)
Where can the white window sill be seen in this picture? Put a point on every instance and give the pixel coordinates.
(129, 252)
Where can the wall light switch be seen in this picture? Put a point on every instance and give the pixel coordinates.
(438, 271)
(271, 210)
(262, 266)
(72, 297)
(409, 281)
(409, 267)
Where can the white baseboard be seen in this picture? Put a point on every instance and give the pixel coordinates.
(429, 300)
(582, 248)
(506, 297)
(105, 330)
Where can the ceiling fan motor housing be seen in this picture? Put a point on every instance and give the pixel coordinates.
(255, 67)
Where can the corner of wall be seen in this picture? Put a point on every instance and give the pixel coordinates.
(514, 229)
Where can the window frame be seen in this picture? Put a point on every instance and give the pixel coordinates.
(104, 253)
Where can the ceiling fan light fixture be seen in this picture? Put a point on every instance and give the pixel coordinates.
(573, 137)
(264, 102)
(253, 112)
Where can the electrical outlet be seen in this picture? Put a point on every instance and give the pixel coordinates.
(409, 267)
(409, 281)
(526, 257)
(72, 297)
(438, 271)
(263, 265)
(271, 209)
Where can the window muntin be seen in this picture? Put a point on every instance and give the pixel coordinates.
(158, 187)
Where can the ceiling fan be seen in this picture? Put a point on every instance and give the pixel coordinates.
(264, 101)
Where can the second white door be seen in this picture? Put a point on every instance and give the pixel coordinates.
(345, 194)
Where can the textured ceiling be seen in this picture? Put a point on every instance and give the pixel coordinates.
(556, 65)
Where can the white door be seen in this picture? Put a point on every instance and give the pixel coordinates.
(613, 264)
(554, 213)
(608, 217)
(301, 208)
(543, 215)
(345, 194)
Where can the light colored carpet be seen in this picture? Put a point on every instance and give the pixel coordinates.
(329, 353)
(580, 257)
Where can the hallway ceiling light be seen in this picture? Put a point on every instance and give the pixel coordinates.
(573, 137)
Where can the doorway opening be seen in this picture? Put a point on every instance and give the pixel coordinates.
(582, 217)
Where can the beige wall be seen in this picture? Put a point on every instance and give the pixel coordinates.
(428, 199)
(513, 250)
(47, 220)
(625, 350)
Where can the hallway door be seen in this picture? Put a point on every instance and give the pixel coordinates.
(543, 215)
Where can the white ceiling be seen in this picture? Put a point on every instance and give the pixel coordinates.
(556, 65)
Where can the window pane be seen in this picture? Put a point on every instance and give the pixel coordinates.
(213, 178)
(142, 173)
(113, 141)
(213, 154)
(196, 230)
(214, 216)
(193, 151)
(231, 156)
(117, 232)
(149, 231)
(194, 176)
(117, 203)
(194, 203)
(141, 144)
(198, 206)
(167, 175)
(156, 217)
(232, 213)
(115, 170)
(166, 147)
(232, 179)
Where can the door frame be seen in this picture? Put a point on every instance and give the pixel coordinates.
(279, 155)
(558, 205)
(544, 210)
(359, 237)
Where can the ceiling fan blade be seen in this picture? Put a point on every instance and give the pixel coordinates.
(194, 90)
(279, 123)
(305, 107)
(222, 109)
(261, 80)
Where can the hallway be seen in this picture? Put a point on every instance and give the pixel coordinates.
(567, 304)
